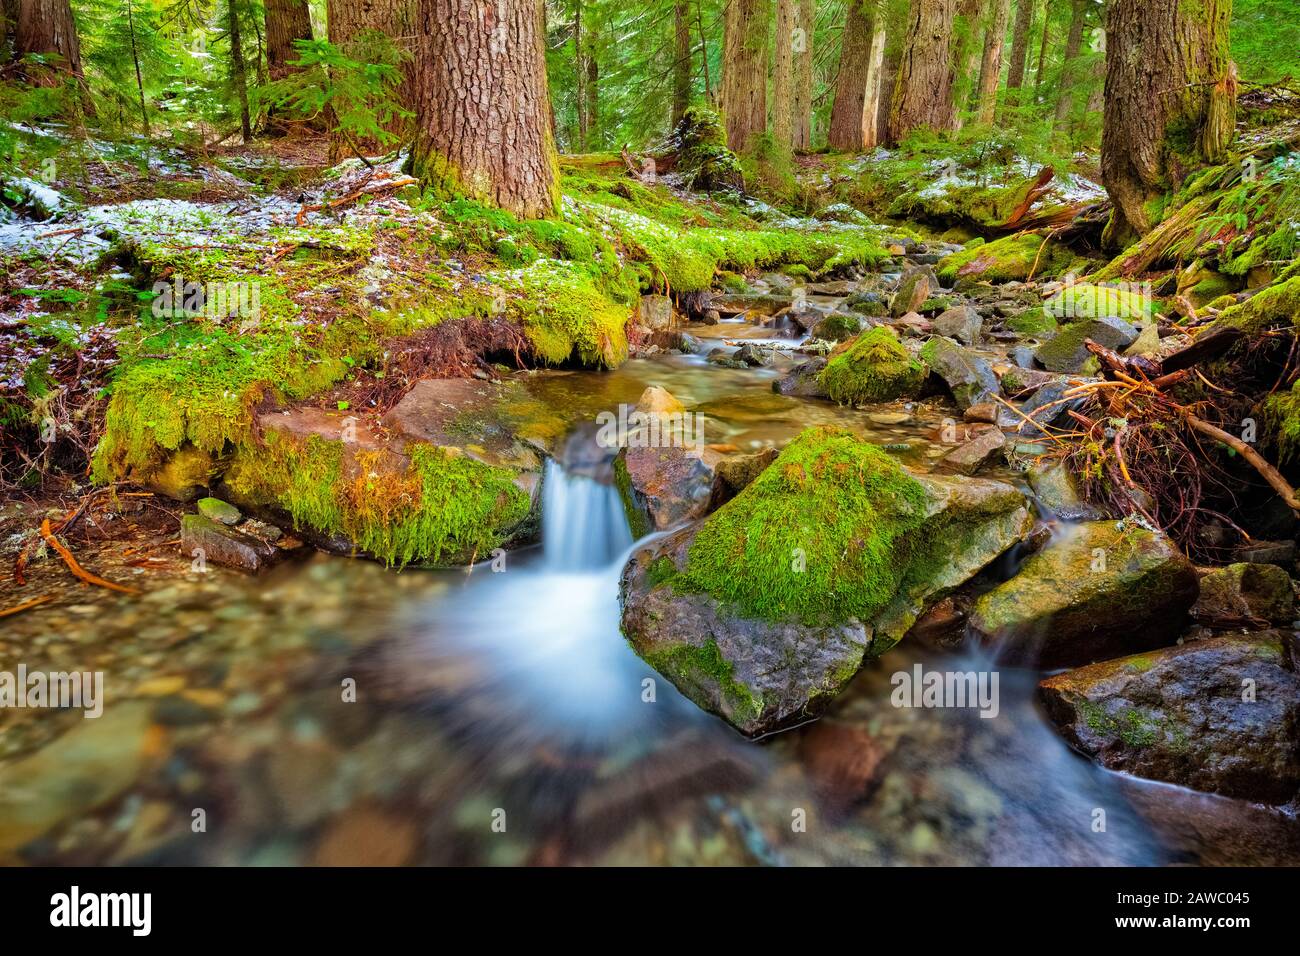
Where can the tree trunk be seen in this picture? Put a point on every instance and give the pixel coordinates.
(966, 52)
(744, 72)
(888, 79)
(481, 105)
(591, 85)
(803, 75)
(1019, 49)
(991, 65)
(579, 78)
(783, 76)
(1073, 43)
(923, 89)
(848, 111)
(871, 126)
(1042, 45)
(681, 60)
(238, 73)
(286, 21)
(346, 19)
(1170, 99)
(135, 61)
(46, 27)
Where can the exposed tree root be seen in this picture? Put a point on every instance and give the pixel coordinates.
(77, 569)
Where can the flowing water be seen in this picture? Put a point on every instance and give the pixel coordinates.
(336, 712)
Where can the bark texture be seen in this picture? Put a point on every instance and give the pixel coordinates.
(286, 21)
(681, 60)
(923, 88)
(871, 124)
(803, 75)
(483, 124)
(47, 27)
(991, 64)
(783, 75)
(848, 110)
(744, 72)
(1170, 98)
(347, 19)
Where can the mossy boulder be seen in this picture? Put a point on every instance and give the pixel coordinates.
(1066, 351)
(762, 612)
(1005, 260)
(1276, 306)
(1087, 301)
(443, 485)
(1220, 715)
(874, 367)
(837, 327)
(1101, 588)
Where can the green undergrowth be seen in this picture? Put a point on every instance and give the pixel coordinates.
(442, 508)
(825, 534)
(874, 367)
(332, 296)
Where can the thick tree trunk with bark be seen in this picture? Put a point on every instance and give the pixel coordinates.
(579, 78)
(286, 21)
(871, 125)
(848, 111)
(590, 87)
(1170, 99)
(783, 76)
(1073, 43)
(991, 64)
(46, 27)
(888, 80)
(1019, 48)
(483, 129)
(681, 60)
(744, 72)
(347, 19)
(803, 75)
(923, 88)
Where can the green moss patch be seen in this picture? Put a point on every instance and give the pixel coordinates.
(441, 508)
(826, 533)
(874, 367)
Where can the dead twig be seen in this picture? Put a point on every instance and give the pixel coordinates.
(27, 605)
(77, 569)
(1256, 461)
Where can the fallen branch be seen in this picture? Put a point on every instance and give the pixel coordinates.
(27, 605)
(353, 197)
(77, 569)
(1267, 471)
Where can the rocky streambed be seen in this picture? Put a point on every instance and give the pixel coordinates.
(844, 506)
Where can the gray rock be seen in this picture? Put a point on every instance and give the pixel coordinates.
(225, 546)
(803, 381)
(657, 312)
(969, 377)
(1048, 406)
(1220, 715)
(917, 284)
(966, 459)
(961, 323)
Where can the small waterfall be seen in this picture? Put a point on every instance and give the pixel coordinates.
(583, 524)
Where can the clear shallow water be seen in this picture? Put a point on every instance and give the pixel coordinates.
(500, 718)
